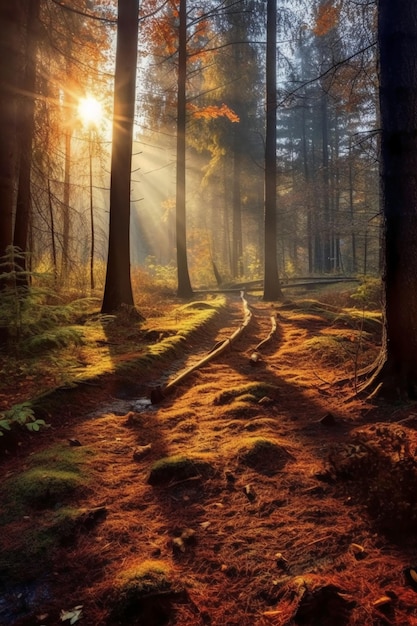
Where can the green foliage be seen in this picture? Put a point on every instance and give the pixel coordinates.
(369, 293)
(20, 415)
(32, 317)
(162, 275)
(330, 348)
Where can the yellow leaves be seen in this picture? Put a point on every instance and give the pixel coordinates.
(213, 112)
(327, 17)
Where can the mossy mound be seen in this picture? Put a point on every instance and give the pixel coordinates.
(249, 393)
(263, 455)
(177, 468)
(54, 475)
(144, 594)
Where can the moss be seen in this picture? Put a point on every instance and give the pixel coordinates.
(263, 455)
(144, 594)
(27, 551)
(44, 488)
(177, 468)
(252, 392)
(330, 348)
(53, 475)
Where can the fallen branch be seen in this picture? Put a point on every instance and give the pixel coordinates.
(255, 357)
(159, 393)
(271, 334)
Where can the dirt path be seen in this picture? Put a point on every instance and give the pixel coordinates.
(261, 533)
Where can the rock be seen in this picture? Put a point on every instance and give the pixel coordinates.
(328, 420)
(141, 452)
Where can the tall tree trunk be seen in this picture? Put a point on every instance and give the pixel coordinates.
(352, 212)
(397, 37)
(92, 229)
(118, 287)
(237, 245)
(26, 131)
(10, 37)
(327, 262)
(66, 199)
(272, 288)
(53, 234)
(184, 289)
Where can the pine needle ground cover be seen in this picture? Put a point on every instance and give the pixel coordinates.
(252, 495)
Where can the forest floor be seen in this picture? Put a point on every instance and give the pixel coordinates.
(256, 493)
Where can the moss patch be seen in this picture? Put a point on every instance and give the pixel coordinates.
(144, 595)
(177, 468)
(264, 455)
(53, 475)
(36, 515)
(250, 392)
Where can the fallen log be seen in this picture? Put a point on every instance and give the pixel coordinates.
(159, 393)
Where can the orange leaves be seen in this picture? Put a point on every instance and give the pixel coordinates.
(327, 17)
(212, 112)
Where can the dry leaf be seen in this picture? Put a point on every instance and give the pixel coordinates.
(73, 615)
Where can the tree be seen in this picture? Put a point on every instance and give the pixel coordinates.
(397, 41)
(26, 132)
(272, 289)
(118, 288)
(184, 289)
(11, 20)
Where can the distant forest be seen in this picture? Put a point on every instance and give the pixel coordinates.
(56, 155)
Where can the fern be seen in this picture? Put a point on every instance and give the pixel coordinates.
(53, 339)
(33, 318)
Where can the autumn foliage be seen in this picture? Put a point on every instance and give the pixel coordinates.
(213, 112)
(327, 17)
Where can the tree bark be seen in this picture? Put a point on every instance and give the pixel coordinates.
(397, 38)
(118, 288)
(272, 289)
(10, 32)
(26, 131)
(184, 289)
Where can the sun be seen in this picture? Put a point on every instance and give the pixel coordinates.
(90, 110)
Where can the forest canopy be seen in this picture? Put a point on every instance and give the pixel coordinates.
(327, 202)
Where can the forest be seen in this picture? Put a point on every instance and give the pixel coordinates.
(208, 313)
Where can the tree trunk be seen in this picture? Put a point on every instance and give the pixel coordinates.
(92, 229)
(10, 33)
(66, 196)
(237, 244)
(327, 262)
(354, 268)
(118, 288)
(397, 35)
(26, 130)
(184, 289)
(272, 289)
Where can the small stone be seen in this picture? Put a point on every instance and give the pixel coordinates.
(249, 493)
(188, 535)
(266, 400)
(231, 478)
(74, 443)
(328, 420)
(141, 452)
